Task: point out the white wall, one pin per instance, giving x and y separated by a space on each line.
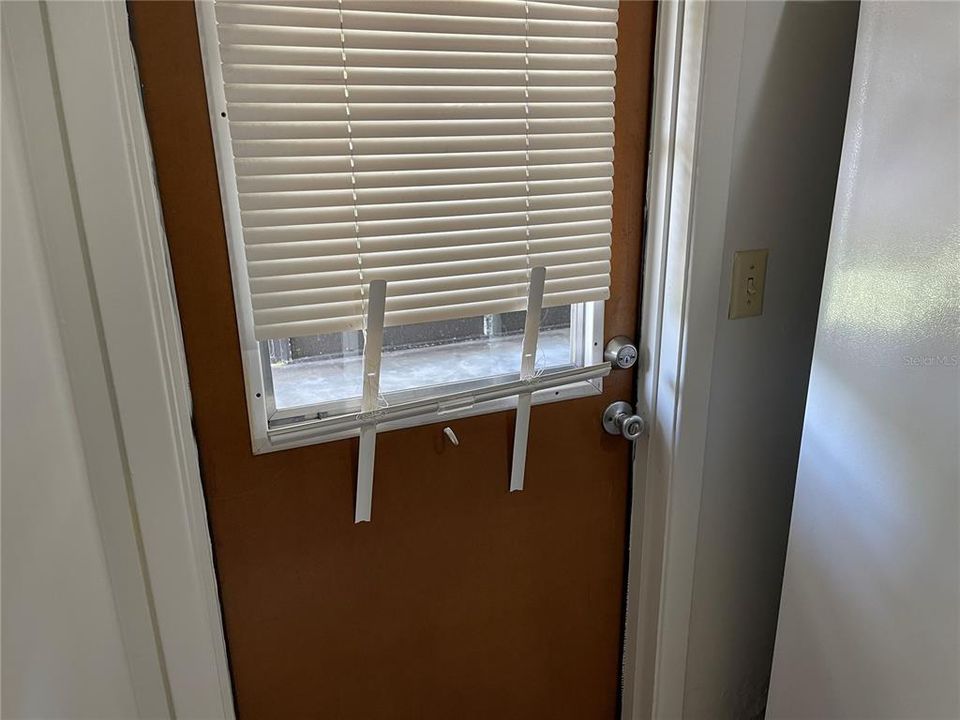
61 646
793 87
870 620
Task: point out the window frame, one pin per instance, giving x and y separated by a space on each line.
264 417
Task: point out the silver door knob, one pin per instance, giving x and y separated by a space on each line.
621 352
619 419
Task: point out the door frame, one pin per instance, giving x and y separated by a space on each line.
696 81
91 168
128 291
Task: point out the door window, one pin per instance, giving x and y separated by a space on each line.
445 148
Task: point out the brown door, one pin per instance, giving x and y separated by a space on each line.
460 599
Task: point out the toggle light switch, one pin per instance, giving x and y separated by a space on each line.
746 288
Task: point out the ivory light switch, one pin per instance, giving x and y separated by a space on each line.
746 288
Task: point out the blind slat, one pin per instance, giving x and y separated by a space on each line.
294 74
384 94
278 36
446 148
307 112
420 210
343 246
334 308
465 266
590 10
314 296
414 178
383 197
461 223
391 129
414 20
368 260
312 164
290 289
402 58
417 145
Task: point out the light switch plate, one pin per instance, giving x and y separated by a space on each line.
749 279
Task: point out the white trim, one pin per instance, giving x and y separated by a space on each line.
118 212
648 501
692 142
67 261
259 396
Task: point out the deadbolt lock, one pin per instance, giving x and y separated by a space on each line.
620 352
619 419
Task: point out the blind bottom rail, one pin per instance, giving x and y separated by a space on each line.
438 405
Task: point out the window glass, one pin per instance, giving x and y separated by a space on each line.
433 357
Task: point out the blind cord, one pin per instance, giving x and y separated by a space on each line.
353 168
526 135
540 360
381 400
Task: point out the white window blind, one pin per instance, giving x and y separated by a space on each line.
445 147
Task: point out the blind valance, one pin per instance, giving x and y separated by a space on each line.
446 147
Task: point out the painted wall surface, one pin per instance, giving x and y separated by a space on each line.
61 648
792 99
870 619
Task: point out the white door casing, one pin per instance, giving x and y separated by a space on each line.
90 159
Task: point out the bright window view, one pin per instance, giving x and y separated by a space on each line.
435 357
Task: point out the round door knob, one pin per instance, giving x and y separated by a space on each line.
619 419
